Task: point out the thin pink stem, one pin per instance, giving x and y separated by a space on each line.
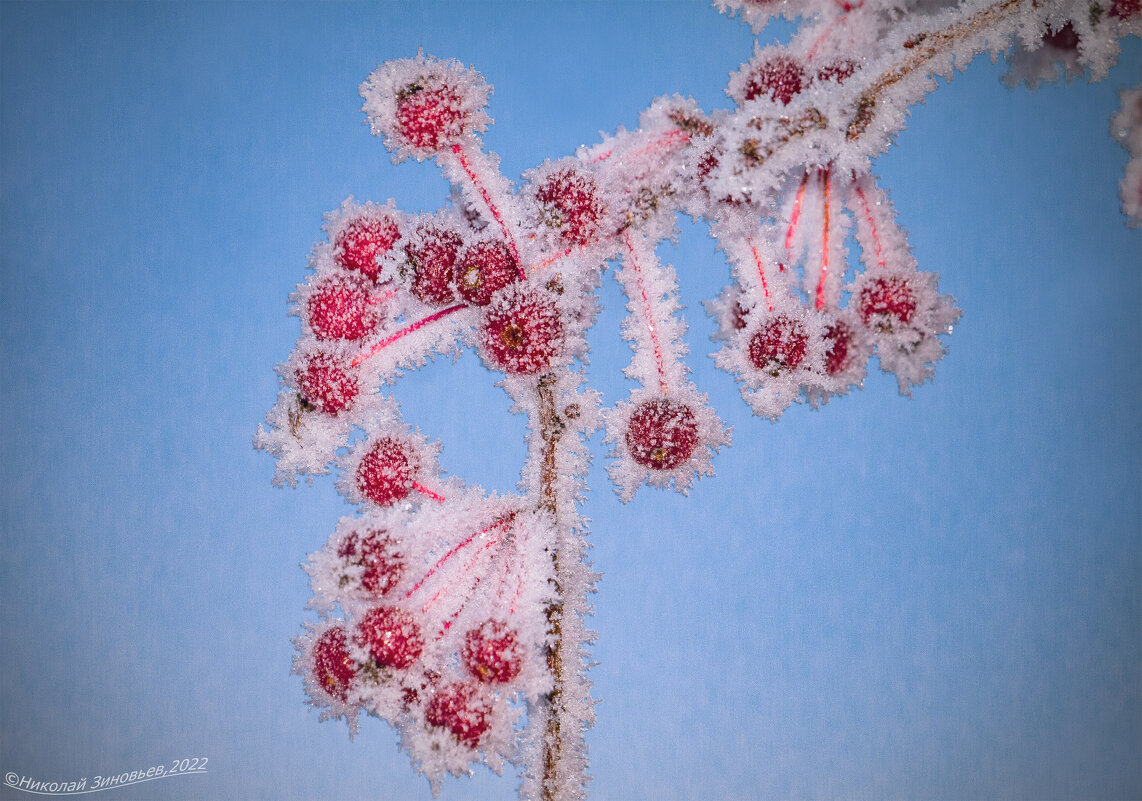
423 490
487 197
880 260
761 274
456 549
796 215
659 358
464 572
408 329
382 298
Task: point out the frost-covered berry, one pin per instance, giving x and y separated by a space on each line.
662 434
780 344
380 556
385 473
432 261
333 669
492 653
483 269
885 303
569 203
327 383
339 308
428 119
521 332
461 710
391 636
1124 9
781 77
1066 38
840 347
364 240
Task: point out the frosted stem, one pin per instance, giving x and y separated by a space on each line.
551 428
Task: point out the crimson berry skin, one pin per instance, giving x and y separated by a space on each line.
326 383
839 347
521 332
492 653
333 669
662 434
379 554
432 260
385 473
885 302
837 71
781 344
1124 9
339 308
429 119
781 78
360 243
391 636
483 269
460 710
568 203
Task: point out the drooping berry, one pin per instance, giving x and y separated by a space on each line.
380 555
432 261
429 119
780 344
360 243
385 474
332 667
462 711
781 77
327 384
339 308
839 347
521 332
662 434
391 636
884 303
492 653
483 269
568 203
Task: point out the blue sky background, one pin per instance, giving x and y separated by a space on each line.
888 598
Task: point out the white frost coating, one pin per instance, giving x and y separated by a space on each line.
1126 128
459 616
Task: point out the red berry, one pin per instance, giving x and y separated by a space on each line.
326 383
492 653
838 347
780 344
461 710
838 71
781 78
662 434
432 259
391 636
1124 9
1066 38
332 667
429 118
568 203
385 474
483 269
890 300
362 241
339 308
521 332
379 554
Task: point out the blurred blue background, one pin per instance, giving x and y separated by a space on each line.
886 598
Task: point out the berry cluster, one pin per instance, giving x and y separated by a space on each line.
456 614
